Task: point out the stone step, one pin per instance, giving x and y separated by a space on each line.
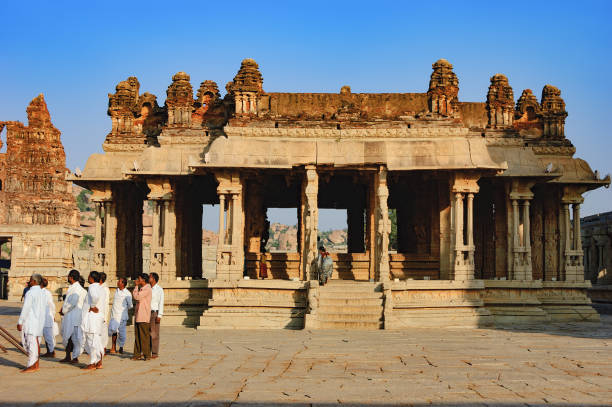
348 317
349 325
335 301
351 309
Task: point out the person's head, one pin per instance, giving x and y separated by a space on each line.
35 279
142 279
94 277
44 282
102 277
153 279
73 276
121 283
322 249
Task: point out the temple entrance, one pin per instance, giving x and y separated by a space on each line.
415 202
272 225
348 193
5 265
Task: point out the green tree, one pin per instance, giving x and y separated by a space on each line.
393 234
83 200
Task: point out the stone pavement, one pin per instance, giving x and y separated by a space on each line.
559 365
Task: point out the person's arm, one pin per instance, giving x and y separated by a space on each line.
25 310
70 302
161 304
137 293
128 299
96 296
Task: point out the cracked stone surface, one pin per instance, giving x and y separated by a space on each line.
558 365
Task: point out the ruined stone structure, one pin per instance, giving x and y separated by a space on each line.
38 213
597 247
487 197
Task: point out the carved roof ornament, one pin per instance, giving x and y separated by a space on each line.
208 90
553 112
38 113
180 92
500 102
125 98
443 88
248 78
179 100
528 100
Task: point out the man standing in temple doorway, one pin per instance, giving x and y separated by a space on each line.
122 302
142 318
325 265
157 311
32 321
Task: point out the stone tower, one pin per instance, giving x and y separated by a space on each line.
38 212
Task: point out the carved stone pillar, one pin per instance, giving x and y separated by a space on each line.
382 226
164 250
230 249
520 194
105 255
572 252
463 187
309 221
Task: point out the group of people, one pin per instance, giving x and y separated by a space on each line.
88 321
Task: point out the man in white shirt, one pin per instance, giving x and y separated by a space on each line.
72 311
93 321
48 331
122 303
32 321
106 311
157 311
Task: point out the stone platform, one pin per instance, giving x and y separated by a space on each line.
553 365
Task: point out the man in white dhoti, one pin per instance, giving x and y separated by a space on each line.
48 330
105 311
122 303
32 321
93 321
72 311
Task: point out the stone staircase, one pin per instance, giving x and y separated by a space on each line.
350 305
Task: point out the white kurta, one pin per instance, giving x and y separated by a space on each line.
32 321
73 312
105 314
122 302
49 321
93 321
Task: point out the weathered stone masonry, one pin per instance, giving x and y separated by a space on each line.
487 197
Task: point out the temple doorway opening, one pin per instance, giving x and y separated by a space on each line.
273 225
5 265
210 240
415 202
347 193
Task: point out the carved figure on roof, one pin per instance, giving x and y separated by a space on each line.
443 89
122 104
179 100
500 102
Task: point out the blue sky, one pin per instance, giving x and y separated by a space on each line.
76 52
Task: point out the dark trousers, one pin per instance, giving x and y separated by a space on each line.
154 333
142 342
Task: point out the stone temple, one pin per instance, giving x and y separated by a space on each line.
486 195
38 214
